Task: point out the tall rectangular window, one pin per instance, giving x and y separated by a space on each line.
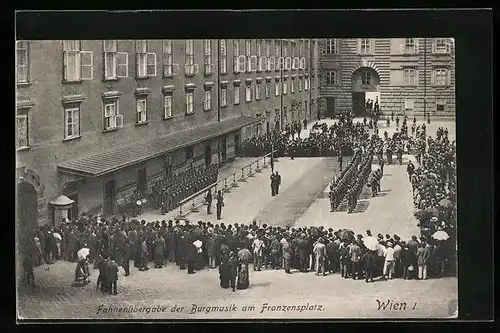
223 56
207 56
248 92
167 106
300 83
331 46
409 77
306 84
441 46
223 96
285 86
292 85
168 58
258 87
146 61
189 65
71 121
190 102
112 117
331 77
236 54
207 99
77 64
22 62
248 47
115 63
236 94
268 89
410 45
440 77
365 46
277 90
22 131
365 77
142 110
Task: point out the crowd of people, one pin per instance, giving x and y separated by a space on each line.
114 243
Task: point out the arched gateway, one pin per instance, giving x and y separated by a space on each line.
365 86
27 213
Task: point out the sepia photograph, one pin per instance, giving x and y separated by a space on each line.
272 178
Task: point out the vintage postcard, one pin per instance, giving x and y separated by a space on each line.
295 178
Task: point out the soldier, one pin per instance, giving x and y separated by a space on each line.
397 122
273 184
220 204
388 122
428 118
278 182
392 115
351 200
400 153
208 199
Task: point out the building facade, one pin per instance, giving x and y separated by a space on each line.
406 75
97 120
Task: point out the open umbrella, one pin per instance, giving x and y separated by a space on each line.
371 243
446 203
440 235
83 253
346 234
198 243
432 210
57 236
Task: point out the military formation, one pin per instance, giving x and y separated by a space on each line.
169 192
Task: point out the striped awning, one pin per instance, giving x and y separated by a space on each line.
112 160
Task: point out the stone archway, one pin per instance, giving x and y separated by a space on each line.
365 87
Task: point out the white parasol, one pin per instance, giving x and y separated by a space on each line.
198 243
440 235
83 253
371 243
57 236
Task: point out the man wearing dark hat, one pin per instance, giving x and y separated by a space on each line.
208 199
220 204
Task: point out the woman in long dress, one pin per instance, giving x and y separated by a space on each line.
244 256
81 273
224 271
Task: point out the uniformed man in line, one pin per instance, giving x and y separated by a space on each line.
208 199
278 182
397 122
220 204
351 200
273 184
399 153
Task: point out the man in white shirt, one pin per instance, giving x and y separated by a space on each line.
389 260
319 251
397 260
258 246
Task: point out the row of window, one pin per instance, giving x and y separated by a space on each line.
409 105
410 46
439 78
112 119
255 92
78 63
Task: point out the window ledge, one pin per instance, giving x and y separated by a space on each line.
168 118
223 73
142 123
165 76
189 114
72 138
189 75
208 74
23 84
223 106
23 148
114 79
207 110
236 103
72 82
110 130
142 77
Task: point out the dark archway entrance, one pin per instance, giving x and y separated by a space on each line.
208 155
365 88
27 213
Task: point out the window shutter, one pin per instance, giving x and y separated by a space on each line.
151 64
281 63
416 78
253 63
434 46
119 120
121 64
65 65
86 65
107 112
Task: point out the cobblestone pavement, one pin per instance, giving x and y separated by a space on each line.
172 293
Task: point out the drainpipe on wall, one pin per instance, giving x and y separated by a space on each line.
425 76
281 86
309 77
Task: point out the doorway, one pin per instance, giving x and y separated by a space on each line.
208 155
109 197
330 107
237 143
27 213
358 103
73 212
223 149
142 181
